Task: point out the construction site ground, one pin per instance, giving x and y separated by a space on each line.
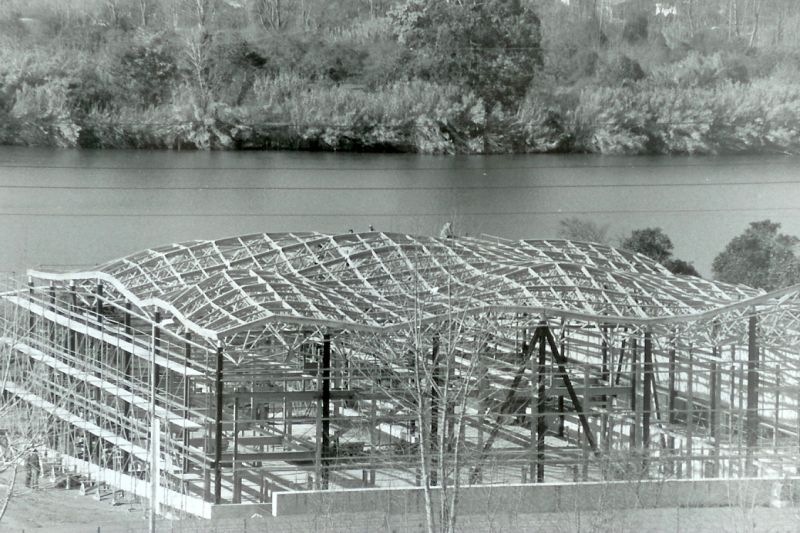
55 510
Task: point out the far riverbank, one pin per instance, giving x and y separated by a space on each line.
421 117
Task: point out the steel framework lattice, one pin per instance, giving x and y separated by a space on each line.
295 360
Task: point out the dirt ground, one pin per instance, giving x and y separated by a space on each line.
55 510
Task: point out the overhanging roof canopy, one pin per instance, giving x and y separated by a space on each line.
383 280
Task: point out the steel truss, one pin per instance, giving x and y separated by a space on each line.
294 361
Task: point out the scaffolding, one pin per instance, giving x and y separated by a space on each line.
281 362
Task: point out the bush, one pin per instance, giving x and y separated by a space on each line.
43 116
620 70
337 61
635 28
695 70
147 72
90 88
385 63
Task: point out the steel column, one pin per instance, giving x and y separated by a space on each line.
434 409
634 390
541 426
218 388
714 418
326 408
156 347
751 422
671 403
647 400
187 354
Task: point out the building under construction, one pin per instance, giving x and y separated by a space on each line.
295 361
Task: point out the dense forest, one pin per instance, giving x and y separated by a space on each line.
429 76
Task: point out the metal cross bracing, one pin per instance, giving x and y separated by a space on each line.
290 361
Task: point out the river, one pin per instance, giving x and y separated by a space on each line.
65 209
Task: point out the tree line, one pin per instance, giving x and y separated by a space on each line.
431 76
761 257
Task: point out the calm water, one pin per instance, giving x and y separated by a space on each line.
65 208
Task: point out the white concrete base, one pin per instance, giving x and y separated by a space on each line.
544 497
139 487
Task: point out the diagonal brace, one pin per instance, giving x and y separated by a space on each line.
537 336
561 362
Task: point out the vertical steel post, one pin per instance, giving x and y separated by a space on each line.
156 347
605 378
671 402
127 381
752 394
714 417
732 420
541 425
533 418
690 414
53 308
434 409
31 319
73 310
98 359
634 391
218 388
777 416
155 472
326 408
187 354
98 304
647 396
237 488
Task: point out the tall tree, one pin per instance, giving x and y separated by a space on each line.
657 245
760 257
652 242
493 46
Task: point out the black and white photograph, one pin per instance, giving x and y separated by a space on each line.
424 266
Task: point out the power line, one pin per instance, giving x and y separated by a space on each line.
727 164
349 188
397 214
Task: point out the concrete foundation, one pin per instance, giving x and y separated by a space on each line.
548 497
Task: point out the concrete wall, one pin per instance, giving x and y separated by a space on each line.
546 497
139 487
239 510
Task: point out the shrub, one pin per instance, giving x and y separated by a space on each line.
695 70
337 61
43 115
91 88
385 63
635 28
619 70
147 71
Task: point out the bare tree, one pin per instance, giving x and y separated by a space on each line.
437 372
271 14
756 10
578 229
